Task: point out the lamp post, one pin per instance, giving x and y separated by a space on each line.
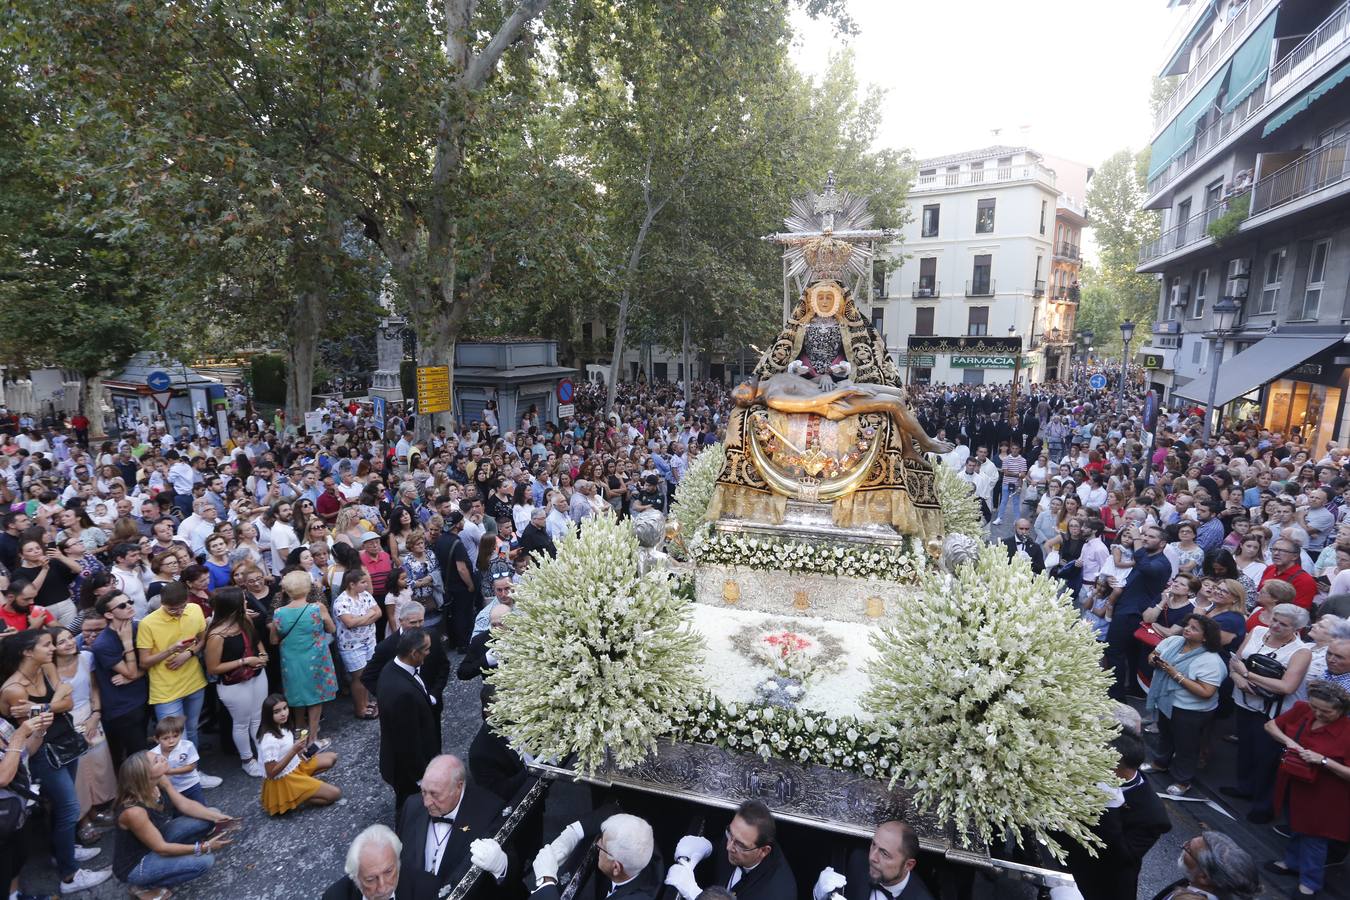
1085 336
1126 335
1225 316
1017 375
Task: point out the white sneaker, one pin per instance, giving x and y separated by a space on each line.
85 879
85 853
254 768
996 522
210 781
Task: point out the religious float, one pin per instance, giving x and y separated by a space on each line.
835 637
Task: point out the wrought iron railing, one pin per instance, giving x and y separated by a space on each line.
1216 53
980 288
1324 167
1192 230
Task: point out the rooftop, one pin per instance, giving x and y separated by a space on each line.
993 152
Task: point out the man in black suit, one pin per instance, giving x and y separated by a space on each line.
1022 542
410 718
1129 827
627 866
435 672
885 871
372 867
447 832
534 540
752 866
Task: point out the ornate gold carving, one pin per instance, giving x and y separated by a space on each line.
799 601
876 607
731 591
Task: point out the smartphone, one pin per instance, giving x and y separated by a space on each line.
38 709
310 751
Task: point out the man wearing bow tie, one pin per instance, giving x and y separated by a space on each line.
1023 543
885 871
449 831
752 867
410 733
627 866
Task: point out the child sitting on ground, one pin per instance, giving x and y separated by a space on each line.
291 763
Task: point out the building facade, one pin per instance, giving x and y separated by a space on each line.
1250 172
978 255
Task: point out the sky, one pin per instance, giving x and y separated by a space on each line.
1066 77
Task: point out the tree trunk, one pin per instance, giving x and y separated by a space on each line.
91 404
684 360
629 277
302 343
436 339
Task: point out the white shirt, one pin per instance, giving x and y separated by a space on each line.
283 539
888 892
181 477
194 531
558 524
417 678
738 873
129 582
438 838
272 748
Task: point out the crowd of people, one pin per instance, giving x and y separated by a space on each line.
161 583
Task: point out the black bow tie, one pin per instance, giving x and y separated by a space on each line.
443 820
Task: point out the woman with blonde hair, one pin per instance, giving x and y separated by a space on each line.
348 529
161 845
1228 601
300 630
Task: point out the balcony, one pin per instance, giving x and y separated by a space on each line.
1209 138
1320 169
1065 250
980 288
1191 231
1210 60
1325 40
941 181
1039 290
1065 294
925 290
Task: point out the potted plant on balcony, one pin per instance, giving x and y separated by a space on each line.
1226 225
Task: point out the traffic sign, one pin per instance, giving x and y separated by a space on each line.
566 391
1097 382
158 381
566 411
377 411
433 389
162 398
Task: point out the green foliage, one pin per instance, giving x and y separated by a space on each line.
598 660
1227 225
267 375
1112 290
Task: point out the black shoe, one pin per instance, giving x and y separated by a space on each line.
1235 793
1260 817
1278 868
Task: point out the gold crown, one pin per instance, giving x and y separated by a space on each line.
828 258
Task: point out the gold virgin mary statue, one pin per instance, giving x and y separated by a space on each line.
824 420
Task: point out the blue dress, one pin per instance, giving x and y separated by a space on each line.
307 675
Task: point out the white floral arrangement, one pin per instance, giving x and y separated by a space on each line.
957 501
994 691
695 493
598 660
729 548
802 736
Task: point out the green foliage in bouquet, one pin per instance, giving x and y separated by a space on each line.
597 659
994 691
694 495
956 499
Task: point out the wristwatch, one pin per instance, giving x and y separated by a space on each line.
1322 761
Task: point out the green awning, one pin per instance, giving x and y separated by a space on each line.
1250 64
1201 24
1180 134
1306 99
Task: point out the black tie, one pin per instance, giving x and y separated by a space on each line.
443 820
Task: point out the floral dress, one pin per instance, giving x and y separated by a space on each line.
307 674
418 569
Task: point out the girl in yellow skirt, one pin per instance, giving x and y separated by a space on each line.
291 764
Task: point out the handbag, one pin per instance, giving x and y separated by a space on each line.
1295 766
68 745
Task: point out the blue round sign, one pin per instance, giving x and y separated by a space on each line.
158 381
1097 382
566 391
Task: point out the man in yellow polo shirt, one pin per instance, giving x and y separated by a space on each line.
167 643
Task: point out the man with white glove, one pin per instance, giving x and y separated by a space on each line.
752 865
627 867
885 871
447 831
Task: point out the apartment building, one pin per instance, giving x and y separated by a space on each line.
1250 171
988 232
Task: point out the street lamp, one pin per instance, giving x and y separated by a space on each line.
1126 335
1225 316
1086 336
1017 375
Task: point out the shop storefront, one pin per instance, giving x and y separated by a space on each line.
1309 402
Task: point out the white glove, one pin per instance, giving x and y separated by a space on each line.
487 854
545 864
694 848
841 369
566 841
796 367
681 878
828 882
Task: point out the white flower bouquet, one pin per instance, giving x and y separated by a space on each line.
695 494
728 548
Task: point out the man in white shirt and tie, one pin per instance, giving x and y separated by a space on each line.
449 832
752 866
884 872
627 866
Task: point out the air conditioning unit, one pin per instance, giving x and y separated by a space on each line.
1181 294
1239 277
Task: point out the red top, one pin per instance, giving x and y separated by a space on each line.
1319 808
1305 588
327 506
19 621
